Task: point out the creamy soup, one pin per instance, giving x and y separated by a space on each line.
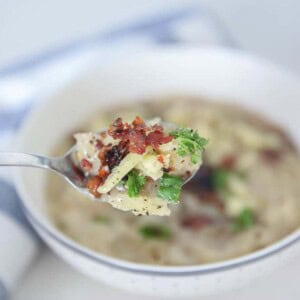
245 196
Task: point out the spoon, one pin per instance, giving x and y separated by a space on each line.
63 165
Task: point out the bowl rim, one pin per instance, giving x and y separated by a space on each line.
39 221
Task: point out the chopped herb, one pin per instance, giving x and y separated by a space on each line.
169 187
157 231
134 183
244 220
189 143
220 179
101 219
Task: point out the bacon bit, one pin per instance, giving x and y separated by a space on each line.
103 173
168 170
136 142
116 130
160 158
92 185
211 198
228 162
101 154
196 222
138 123
132 138
98 144
86 165
115 154
157 127
136 135
271 155
157 138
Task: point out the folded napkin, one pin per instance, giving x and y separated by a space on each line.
20 85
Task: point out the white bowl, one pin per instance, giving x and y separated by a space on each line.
217 73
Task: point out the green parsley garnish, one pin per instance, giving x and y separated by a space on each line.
244 220
189 143
220 179
169 187
134 183
157 231
101 219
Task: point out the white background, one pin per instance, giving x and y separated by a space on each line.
268 28
51 279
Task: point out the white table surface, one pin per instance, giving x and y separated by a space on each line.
51 279
267 27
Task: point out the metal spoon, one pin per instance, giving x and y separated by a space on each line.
64 166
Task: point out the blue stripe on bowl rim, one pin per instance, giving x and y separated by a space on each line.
89 254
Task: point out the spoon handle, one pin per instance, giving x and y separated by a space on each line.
23 160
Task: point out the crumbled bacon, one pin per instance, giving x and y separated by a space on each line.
271 155
102 152
136 135
211 198
86 165
92 185
134 138
196 222
228 162
139 124
116 129
160 158
136 142
157 138
103 172
168 170
115 154
157 127
98 144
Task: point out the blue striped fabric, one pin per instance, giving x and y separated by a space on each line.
10 204
158 27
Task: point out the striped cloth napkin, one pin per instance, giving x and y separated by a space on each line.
21 84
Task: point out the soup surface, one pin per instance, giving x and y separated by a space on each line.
245 196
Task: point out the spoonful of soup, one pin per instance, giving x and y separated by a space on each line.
139 166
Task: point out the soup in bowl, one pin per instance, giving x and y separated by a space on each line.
237 218
244 197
